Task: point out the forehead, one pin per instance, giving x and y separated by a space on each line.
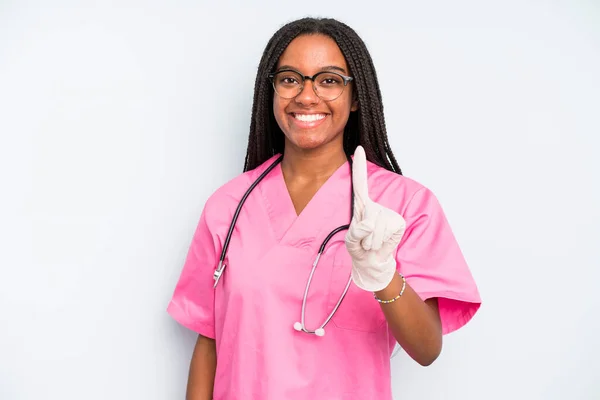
311 53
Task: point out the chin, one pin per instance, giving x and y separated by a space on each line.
308 142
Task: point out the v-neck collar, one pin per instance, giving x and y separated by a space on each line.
326 210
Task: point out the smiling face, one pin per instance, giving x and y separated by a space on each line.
307 121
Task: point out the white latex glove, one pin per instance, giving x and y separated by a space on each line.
374 233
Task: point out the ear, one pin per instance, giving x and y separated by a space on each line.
355 105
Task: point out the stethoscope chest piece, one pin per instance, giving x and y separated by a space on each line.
218 273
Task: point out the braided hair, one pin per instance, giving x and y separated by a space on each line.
366 127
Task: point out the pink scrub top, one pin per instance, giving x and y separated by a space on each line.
251 313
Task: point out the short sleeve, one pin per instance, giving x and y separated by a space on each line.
192 304
430 259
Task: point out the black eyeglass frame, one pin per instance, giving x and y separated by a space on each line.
345 79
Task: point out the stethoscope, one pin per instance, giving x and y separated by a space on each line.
299 326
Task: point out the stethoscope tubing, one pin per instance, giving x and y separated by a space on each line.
299 326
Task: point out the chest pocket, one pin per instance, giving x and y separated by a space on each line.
358 311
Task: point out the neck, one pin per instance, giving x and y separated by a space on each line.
316 164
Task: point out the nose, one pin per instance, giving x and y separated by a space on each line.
307 96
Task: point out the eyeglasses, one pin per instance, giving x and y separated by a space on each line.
328 85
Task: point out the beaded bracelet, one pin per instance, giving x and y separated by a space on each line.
395 298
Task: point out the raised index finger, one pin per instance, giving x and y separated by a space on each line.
359 176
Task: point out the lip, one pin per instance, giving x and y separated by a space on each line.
307 124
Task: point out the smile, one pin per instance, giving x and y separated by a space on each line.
309 117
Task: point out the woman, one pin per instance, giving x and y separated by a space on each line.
393 263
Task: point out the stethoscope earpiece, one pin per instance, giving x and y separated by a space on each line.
319 331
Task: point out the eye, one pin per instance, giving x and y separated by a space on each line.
288 80
330 80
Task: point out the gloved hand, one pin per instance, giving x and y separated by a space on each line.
374 233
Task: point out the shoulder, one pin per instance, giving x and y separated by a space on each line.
223 202
396 191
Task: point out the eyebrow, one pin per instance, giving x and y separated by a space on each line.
327 68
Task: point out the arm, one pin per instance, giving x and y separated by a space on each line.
415 323
429 255
202 370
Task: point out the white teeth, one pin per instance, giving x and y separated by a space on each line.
309 117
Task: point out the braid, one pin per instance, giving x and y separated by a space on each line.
365 127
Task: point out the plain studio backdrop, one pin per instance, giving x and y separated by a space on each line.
119 119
